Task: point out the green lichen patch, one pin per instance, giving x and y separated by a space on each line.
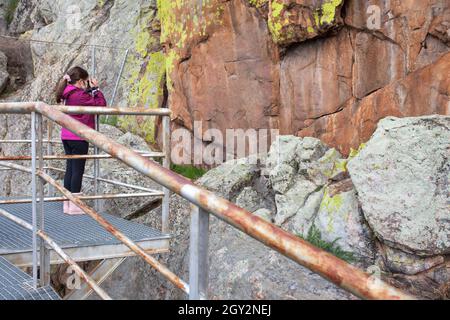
258 3
327 12
354 153
286 28
144 79
331 204
182 22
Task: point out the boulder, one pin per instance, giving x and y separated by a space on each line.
264 214
290 203
230 178
243 268
402 179
249 199
340 220
304 218
398 261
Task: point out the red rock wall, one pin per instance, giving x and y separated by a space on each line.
296 66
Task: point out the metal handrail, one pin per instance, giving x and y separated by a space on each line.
325 264
83 157
108 226
29 107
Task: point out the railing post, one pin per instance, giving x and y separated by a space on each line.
198 254
97 127
166 164
34 200
44 253
51 189
96 165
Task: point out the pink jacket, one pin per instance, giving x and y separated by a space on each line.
74 96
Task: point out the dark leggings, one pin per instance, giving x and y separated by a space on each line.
75 167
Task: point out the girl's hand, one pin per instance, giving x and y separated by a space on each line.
93 82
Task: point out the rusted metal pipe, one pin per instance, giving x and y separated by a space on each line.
80 272
70 157
28 141
113 182
327 265
28 107
95 197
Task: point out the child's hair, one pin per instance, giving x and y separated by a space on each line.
74 74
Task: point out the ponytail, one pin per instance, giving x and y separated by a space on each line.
60 87
73 76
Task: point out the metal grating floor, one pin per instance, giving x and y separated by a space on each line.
67 231
17 285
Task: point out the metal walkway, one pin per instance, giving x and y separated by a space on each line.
82 239
80 236
17 285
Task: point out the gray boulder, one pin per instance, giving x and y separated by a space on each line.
398 261
230 178
340 220
249 199
290 203
402 177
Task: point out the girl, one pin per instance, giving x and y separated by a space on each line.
77 89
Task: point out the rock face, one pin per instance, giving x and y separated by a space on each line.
3 13
4 75
407 160
328 69
68 31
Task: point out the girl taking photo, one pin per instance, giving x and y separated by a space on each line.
77 89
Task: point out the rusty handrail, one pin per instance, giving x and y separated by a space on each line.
28 107
71 157
325 264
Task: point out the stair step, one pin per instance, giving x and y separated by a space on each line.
17 285
80 236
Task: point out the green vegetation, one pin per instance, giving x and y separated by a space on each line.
10 9
315 238
190 172
111 120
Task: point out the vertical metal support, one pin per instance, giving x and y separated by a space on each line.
51 189
96 166
166 164
34 199
97 127
44 253
198 254
93 66
116 87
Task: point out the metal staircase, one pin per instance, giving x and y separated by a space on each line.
82 238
